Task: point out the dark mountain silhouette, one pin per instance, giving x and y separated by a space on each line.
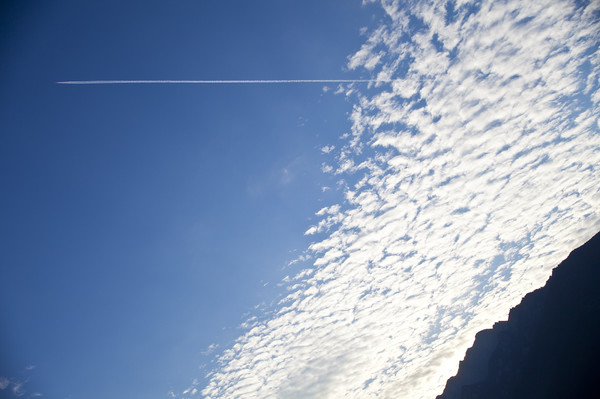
549 347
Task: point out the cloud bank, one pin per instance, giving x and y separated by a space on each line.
467 180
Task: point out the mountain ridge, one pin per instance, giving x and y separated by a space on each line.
550 345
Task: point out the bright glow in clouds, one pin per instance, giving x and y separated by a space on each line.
467 181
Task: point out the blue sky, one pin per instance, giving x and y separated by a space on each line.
294 240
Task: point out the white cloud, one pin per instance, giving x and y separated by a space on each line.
327 149
17 388
210 349
467 182
326 168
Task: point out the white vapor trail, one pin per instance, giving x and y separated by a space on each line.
117 82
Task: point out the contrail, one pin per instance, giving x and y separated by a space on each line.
121 82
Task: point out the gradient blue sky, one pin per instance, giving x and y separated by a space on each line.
293 241
140 223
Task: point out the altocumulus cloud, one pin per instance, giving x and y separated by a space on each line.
467 180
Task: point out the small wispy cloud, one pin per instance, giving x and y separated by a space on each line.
327 149
210 349
17 386
14 385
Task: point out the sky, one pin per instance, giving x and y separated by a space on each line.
283 240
